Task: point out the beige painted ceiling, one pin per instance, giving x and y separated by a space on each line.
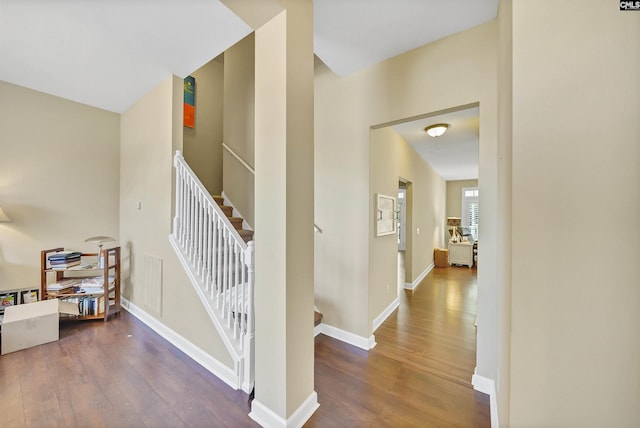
108 53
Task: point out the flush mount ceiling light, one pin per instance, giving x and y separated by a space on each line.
436 130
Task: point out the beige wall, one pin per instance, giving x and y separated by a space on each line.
454 195
59 179
503 260
239 97
416 83
203 144
392 158
151 130
575 292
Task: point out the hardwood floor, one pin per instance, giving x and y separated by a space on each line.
122 374
419 374
115 374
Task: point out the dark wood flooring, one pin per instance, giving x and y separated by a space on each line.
122 374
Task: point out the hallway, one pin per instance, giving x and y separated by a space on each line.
419 374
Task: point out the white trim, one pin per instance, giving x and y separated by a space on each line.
214 366
377 322
487 386
419 279
268 418
347 337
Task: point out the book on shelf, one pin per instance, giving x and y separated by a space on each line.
97 281
64 287
71 282
85 266
87 305
65 265
64 255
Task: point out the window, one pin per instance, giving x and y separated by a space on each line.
470 211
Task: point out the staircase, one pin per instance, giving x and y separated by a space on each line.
236 222
218 256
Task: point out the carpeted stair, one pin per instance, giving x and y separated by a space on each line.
246 234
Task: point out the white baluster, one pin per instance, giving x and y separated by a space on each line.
250 282
238 307
219 265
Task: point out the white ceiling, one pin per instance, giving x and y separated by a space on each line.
352 34
453 155
109 53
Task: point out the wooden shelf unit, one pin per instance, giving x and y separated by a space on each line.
110 291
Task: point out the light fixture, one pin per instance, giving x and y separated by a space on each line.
436 130
3 216
99 240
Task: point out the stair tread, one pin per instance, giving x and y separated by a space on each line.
317 318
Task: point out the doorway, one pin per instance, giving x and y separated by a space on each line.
402 215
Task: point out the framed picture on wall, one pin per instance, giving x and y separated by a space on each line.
29 295
386 221
8 298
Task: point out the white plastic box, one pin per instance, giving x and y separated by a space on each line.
30 324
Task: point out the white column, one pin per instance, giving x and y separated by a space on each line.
284 218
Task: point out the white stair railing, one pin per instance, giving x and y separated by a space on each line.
220 265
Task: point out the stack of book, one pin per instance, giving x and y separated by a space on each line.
88 305
96 284
64 259
64 287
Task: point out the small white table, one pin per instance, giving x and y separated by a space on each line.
461 253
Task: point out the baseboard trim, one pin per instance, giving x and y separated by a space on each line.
418 280
487 386
212 365
377 322
347 337
267 418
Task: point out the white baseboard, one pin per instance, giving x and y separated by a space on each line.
218 369
418 280
267 418
347 337
487 386
377 322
